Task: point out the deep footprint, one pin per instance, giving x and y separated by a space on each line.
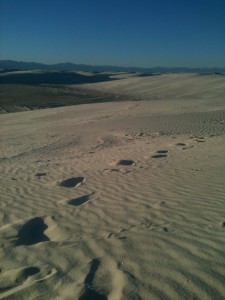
125 162
27 272
79 201
90 292
159 155
183 146
20 276
32 232
72 182
162 151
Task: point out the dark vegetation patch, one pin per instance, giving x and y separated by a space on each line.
18 97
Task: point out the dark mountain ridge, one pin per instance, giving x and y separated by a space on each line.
20 65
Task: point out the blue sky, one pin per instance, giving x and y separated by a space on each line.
144 33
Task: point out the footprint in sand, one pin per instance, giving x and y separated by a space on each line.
80 200
14 280
162 151
32 232
90 291
132 279
39 174
165 229
183 146
72 182
104 280
15 277
125 162
160 154
200 139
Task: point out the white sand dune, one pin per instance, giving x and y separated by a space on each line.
167 86
115 200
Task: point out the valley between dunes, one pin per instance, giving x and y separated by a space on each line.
121 200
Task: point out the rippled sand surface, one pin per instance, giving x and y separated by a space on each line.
114 201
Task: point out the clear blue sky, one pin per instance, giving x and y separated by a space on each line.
144 33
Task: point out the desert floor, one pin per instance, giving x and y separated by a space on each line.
120 200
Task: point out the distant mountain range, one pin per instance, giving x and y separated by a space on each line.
20 65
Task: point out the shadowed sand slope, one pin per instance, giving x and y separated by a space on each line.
44 77
113 201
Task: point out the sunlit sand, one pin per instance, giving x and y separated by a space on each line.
119 200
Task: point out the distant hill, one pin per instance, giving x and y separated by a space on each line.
20 65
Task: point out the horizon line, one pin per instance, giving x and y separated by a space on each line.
113 66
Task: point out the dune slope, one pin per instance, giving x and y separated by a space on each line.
113 201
